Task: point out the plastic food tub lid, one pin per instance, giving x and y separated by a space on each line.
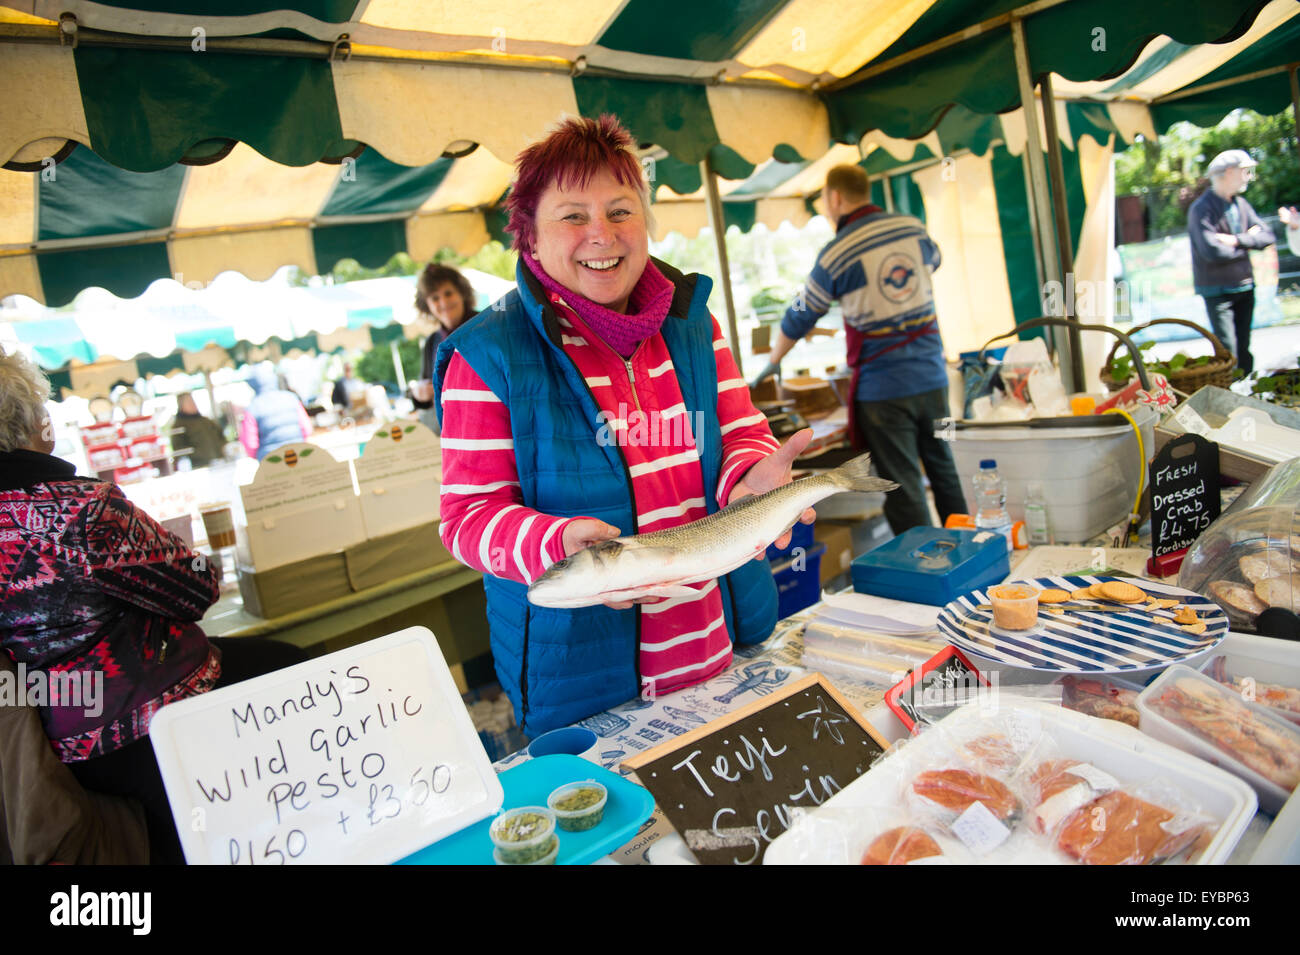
543 832
561 791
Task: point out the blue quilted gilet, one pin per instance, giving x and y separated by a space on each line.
560 666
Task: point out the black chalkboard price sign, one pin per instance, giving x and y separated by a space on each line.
732 786
1184 492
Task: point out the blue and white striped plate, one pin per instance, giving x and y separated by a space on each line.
1074 642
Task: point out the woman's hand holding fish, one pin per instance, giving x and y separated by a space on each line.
584 532
773 472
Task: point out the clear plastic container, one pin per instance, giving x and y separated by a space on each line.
578 806
548 859
1036 515
1248 561
1258 747
1015 606
1265 671
991 499
523 836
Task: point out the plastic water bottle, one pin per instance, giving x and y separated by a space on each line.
1036 515
991 500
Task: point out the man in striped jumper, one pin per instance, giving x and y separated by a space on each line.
878 266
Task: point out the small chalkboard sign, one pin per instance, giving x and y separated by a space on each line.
732 786
1184 492
935 688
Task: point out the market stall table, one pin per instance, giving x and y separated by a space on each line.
640 725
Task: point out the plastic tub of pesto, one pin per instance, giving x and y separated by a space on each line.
525 836
578 806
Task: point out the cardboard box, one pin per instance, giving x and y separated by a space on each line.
838 538
305 583
292 587
380 559
301 503
1213 405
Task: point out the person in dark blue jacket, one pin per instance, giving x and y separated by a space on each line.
1223 228
274 416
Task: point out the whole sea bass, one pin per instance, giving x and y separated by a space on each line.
663 563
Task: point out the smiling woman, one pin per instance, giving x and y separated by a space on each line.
537 396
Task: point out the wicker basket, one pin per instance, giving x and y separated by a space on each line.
1217 371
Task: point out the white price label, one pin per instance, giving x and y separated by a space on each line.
979 829
1098 779
1192 422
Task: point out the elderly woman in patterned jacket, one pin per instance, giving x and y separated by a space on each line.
99 606
597 399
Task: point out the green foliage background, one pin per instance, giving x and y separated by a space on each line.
376 365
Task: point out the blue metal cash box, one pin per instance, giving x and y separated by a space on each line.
932 565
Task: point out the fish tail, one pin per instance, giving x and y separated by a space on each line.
856 475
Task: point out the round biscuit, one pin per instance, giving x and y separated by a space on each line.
1053 595
1122 592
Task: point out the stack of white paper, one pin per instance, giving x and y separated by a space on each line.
880 614
870 639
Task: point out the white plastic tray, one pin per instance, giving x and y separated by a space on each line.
1271 796
819 838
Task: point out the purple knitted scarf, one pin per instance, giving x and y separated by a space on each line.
647 308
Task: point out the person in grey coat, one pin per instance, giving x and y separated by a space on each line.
1223 228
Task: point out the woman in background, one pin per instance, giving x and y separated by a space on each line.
201 435
446 296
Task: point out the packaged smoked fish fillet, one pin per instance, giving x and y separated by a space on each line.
1193 712
1143 825
970 785
870 835
1265 672
1102 697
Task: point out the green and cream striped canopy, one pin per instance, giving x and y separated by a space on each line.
190 137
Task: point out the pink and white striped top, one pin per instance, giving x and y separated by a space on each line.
485 524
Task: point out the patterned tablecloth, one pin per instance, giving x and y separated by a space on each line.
639 725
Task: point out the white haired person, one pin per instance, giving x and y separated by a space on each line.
95 590
1223 228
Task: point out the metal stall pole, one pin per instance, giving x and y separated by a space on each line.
889 193
397 367
1064 244
1295 99
719 227
1038 193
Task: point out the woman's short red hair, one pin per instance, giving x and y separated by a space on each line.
576 150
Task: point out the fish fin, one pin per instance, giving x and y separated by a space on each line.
856 475
665 590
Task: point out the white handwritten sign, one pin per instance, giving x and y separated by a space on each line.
359 756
